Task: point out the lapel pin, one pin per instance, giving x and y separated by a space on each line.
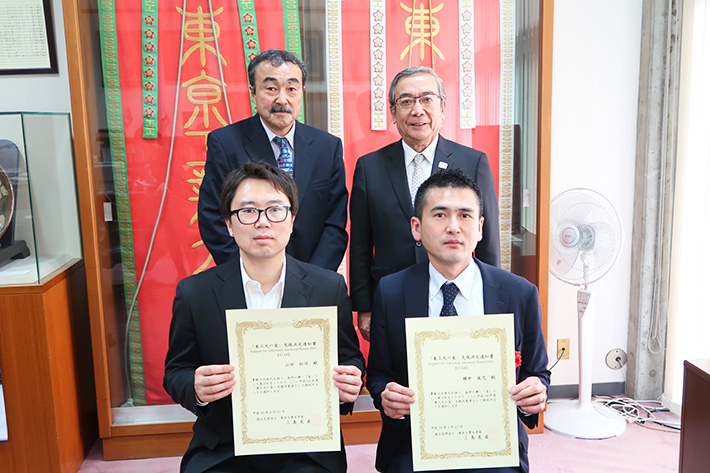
443 165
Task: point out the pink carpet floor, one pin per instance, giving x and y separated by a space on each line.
639 449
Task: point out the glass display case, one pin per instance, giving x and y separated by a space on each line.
39 219
142 113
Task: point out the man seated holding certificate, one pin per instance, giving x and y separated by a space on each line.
449 224
258 205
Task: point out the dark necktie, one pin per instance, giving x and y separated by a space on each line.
449 290
285 159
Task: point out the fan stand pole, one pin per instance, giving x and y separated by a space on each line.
580 418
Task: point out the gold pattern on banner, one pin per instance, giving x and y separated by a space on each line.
199 30
335 67
334 86
506 136
378 66
421 27
467 68
196 182
205 93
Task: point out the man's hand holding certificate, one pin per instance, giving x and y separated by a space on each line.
460 370
268 379
284 399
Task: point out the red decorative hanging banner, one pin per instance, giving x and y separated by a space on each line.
202 83
422 33
428 33
202 86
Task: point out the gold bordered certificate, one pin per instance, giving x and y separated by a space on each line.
460 369
285 399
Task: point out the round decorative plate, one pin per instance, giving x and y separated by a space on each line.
7 201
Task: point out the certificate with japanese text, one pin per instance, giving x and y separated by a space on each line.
461 369
285 399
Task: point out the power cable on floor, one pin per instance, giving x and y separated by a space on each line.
638 413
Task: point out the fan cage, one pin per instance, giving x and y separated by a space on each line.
600 236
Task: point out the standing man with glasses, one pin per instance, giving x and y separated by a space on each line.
386 181
258 206
277 80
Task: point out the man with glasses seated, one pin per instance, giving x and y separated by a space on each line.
386 181
258 205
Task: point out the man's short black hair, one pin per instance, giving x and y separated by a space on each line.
452 178
259 170
276 57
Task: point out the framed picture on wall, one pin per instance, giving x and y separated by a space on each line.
27 43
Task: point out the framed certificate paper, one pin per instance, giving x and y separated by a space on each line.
460 369
27 42
285 399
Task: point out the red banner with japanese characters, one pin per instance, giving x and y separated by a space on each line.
382 38
183 74
193 82
421 33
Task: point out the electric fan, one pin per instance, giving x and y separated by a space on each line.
586 240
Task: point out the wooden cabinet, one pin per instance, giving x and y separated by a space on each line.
45 358
695 417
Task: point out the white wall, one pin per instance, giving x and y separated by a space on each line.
40 92
688 321
596 53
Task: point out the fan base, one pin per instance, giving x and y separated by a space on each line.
584 421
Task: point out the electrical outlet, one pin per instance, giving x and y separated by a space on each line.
616 359
563 343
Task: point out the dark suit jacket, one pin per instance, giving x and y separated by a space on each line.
319 235
381 208
198 336
407 292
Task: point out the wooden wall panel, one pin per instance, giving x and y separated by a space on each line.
543 172
83 58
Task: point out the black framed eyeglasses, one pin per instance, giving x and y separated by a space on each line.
427 100
251 215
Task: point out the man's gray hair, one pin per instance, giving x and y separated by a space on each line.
410 72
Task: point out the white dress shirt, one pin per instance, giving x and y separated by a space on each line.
255 297
428 161
275 147
469 300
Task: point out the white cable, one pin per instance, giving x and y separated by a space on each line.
129 402
632 411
